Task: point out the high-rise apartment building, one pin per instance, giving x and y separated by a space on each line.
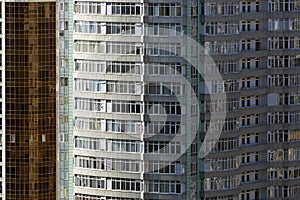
130 101
127 116
28 100
130 118
255 45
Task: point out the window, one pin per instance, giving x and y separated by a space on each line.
223 66
90 181
79 196
223 144
123 28
283 173
163 167
164 29
163 49
284 24
162 147
230 124
283 43
246 82
84 85
164 88
231 85
89 66
215 87
283 154
278 136
164 69
61 6
215 28
123 68
133 107
81 7
246 26
122 165
89 143
283 117
245 102
165 108
164 9
249 82
257 6
246 6
248 158
283 5
245 195
159 127
90 104
246 139
220 183
245 177
87 27
12 138
89 46
226 8
126 184
124 8
278 155
123 87
246 120
257 44
257 119
246 45
222 47
246 63
220 164
289 98
163 187
283 61
249 101
222 105
90 162
257 25
123 126
126 48
130 146
89 124
278 80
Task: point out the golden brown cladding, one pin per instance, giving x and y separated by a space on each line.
30 71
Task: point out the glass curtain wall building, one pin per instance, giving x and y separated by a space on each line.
28 102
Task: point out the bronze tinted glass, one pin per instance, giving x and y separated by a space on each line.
30 100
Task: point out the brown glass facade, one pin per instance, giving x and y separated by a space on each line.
30 70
